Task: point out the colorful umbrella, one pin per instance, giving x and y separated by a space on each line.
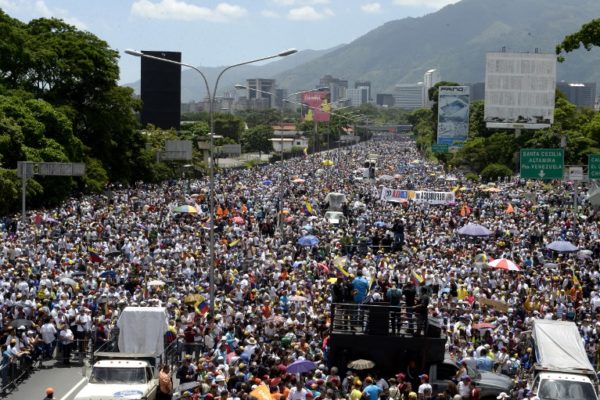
308 241
474 230
562 246
483 325
300 367
504 264
361 364
185 209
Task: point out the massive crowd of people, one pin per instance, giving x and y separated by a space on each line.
67 273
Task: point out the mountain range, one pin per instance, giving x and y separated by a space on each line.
454 40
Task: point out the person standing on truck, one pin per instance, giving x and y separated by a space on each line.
165 384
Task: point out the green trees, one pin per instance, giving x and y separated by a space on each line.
588 36
579 128
258 139
59 101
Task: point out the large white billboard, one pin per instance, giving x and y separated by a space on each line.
453 114
519 90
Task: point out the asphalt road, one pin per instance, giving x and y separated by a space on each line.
62 378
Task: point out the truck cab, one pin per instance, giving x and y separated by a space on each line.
558 385
120 379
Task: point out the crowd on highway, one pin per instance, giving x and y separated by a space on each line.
65 276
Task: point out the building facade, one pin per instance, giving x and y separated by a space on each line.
580 94
260 93
409 96
337 87
430 78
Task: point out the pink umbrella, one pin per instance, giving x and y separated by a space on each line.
238 220
483 325
504 264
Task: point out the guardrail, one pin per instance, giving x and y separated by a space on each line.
381 319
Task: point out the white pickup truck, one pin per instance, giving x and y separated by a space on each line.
120 379
129 370
562 370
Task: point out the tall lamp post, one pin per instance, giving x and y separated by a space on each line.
211 100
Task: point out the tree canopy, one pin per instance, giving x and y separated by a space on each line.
588 36
60 101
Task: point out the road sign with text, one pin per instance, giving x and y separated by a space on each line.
50 168
594 166
542 163
439 148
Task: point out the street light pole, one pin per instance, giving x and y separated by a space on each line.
211 100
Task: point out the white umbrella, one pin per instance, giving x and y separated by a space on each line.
156 282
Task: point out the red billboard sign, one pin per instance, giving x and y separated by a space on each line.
318 103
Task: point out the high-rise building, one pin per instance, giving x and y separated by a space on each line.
161 90
359 84
358 96
409 95
280 97
477 91
385 100
430 78
337 87
258 93
580 94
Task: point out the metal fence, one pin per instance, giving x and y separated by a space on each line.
380 319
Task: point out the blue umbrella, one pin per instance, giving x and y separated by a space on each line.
111 274
380 224
300 367
562 246
308 241
267 182
474 230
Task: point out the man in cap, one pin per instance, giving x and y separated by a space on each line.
371 391
425 390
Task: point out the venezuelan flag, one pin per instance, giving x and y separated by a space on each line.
417 278
203 307
94 257
308 208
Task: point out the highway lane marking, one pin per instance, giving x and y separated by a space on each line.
73 389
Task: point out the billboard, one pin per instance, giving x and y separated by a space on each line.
318 103
519 90
161 90
453 114
177 150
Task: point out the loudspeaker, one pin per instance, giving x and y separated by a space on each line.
161 90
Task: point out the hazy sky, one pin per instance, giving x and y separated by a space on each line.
213 32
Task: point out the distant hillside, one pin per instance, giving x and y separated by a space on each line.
192 86
455 40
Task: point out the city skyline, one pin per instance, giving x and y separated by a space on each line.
215 33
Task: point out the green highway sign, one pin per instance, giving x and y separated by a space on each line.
594 166
542 163
439 148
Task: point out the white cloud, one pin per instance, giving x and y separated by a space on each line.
182 11
308 13
371 8
435 4
269 14
39 10
299 3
